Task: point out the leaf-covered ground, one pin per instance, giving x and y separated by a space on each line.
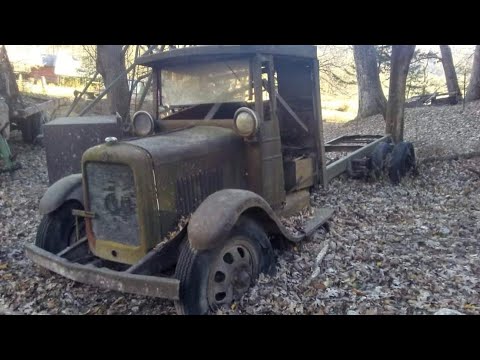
409 249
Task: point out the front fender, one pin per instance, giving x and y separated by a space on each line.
213 220
67 188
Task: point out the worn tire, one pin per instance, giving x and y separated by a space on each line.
54 233
378 158
402 161
194 268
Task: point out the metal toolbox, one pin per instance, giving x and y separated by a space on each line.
66 139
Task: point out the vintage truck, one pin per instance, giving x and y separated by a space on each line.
190 208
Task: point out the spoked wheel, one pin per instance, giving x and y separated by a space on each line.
402 161
57 230
218 277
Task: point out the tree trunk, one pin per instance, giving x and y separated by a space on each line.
111 64
8 84
401 57
371 100
449 69
473 90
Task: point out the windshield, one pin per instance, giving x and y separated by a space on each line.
206 83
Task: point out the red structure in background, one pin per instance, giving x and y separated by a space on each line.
48 72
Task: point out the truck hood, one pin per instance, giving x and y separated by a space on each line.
196 141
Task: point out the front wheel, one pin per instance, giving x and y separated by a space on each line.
57 230
218 277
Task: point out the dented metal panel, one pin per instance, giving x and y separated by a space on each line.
191 164
161 287
206 229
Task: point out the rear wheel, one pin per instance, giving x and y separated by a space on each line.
57 230
402 161
218 277
379 158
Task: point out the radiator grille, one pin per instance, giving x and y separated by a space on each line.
112 197
193 189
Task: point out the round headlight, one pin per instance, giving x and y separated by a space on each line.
246 122
143 124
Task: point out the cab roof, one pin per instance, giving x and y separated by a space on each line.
213 51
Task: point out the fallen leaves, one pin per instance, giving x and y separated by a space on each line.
411 249
417 253
358 292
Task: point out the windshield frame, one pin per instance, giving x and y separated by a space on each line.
158 101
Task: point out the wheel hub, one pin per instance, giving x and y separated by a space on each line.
241 279
231 275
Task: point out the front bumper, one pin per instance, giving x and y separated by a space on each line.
123 281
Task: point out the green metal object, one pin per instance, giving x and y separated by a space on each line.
6 155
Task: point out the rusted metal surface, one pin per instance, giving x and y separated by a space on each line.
319 218
182 124
67 188
76 251
294 203
317 123
359 168
217 51
34 109
342 165
207 230
161 287
162 258
271 156
66 139
192 142
173 173
193 189
191 164
83 214
139 161
236 266
342 148
354 139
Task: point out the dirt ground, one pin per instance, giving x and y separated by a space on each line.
409 249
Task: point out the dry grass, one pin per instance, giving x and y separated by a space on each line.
338 109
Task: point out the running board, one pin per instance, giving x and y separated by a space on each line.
320 217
